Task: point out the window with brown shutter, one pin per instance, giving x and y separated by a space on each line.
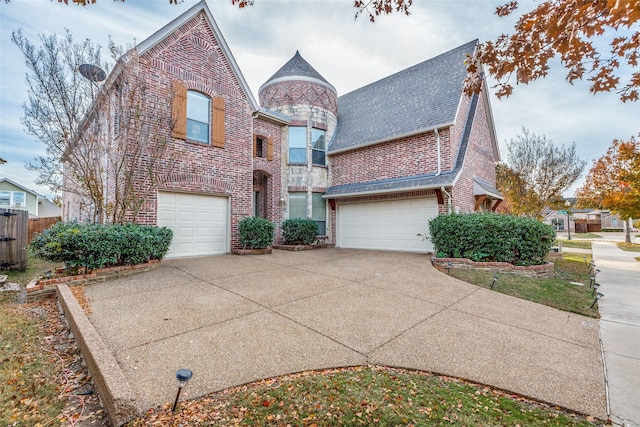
179 110
217 131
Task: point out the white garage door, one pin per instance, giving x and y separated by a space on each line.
199 223
389 225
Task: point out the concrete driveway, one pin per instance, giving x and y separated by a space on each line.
235 319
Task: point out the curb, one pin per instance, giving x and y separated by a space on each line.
112 386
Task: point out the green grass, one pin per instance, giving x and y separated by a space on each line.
35 268
586 236
555 292
361 396
631 247
582 244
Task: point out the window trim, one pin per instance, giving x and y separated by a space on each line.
209 124
318 150
12 202
304 147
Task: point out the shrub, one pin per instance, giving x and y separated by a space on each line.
492 237
97 245
299 231
607 230
255 232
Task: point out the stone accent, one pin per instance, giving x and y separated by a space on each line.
40 287
544 270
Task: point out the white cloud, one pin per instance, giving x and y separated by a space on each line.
349 53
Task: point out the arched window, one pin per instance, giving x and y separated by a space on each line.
198 117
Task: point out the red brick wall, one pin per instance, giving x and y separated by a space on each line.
295 92
479 160
272 185
403 157
192 55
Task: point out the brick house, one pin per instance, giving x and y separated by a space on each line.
370 167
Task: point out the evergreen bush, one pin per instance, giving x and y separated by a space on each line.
299 231
492 237
97 245
255 232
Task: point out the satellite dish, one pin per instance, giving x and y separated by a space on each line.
92 72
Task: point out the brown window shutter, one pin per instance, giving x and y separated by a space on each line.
179 110
255 145
217 131
270 149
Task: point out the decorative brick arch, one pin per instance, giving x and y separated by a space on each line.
194 183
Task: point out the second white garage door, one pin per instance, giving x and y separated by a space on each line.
388 225
200 223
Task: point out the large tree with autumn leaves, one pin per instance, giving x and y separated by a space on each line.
613 182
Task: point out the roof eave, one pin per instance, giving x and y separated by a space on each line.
263 113
387 191
298 78
390 138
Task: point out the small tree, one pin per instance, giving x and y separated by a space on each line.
613 182
96 134
537 173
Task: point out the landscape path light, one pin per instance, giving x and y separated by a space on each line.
183 376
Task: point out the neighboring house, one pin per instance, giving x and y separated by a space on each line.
17 196
370 167
583 220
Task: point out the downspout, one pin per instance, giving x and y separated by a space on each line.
448 197
438 151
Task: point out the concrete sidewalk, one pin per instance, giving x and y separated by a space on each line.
236 319
619 278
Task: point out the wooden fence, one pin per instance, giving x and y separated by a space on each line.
38 225
13 239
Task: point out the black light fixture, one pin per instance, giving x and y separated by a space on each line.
495 279
598 296
183 376
449 265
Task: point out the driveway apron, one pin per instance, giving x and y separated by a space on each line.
236 319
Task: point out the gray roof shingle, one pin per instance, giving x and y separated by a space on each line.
415 182
297 67
413 100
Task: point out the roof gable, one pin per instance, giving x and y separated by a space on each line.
19 186
417 99
171 27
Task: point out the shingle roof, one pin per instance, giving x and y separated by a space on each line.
409 183
297 67
415 182
414 100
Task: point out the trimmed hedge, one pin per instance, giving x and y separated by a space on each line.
299 231
492 238
97 245
255 232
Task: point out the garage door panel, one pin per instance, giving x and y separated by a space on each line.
390 225
199 223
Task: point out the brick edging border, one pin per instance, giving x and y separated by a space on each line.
41 287
295 248
542 270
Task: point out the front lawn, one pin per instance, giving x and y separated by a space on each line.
555 292
631 247
581 244
362 396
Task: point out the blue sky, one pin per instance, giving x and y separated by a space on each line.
348 53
